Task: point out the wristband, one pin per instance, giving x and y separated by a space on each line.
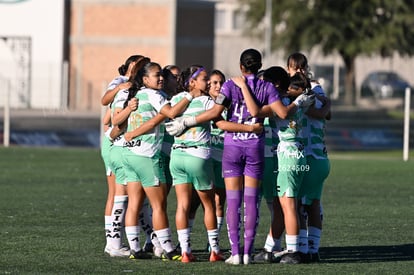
189 97
189 121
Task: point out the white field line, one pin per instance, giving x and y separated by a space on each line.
362 157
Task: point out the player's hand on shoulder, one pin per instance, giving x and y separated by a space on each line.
239 81
304 100
125 85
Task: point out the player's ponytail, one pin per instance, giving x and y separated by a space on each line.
136 78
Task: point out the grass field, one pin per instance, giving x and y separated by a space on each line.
52 201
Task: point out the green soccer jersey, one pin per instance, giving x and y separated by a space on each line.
119 100
197 136
315 138
118 103
150 103
291 158
290 129
314 131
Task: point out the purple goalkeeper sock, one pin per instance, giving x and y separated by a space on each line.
251 217
234 199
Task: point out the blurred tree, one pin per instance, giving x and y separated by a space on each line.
350 28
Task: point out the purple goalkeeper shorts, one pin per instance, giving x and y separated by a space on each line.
243 160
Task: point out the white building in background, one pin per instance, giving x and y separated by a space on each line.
230 40
31 52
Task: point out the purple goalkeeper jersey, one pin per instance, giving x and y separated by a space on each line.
263 92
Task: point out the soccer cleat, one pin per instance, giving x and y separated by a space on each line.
135 255
247 259
158 251
291 258
264 257
277 255
187 258
115 252
107 249
305 257
234 260
216 257
148 247
314 257
171 256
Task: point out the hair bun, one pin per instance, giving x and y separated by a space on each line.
251 57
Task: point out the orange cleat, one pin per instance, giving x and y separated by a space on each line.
216 257
187 258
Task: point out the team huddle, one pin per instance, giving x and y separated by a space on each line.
223 144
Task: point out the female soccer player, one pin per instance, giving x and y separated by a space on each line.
216 81
316 158
191 166
281 80
114 239
143 168
170 74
